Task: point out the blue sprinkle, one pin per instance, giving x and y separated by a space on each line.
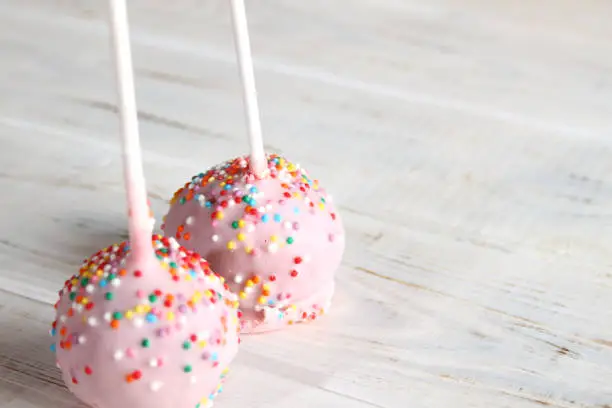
151 318
253 190
265 218
52 347
227 187
214 356
208 204
277 217
53 331
296 210
103 283
193 274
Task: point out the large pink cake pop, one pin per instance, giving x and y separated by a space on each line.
149 325
277 240
157 332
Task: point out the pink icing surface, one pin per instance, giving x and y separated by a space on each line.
277 240
154 333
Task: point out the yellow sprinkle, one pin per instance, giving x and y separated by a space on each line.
241 236
261 300
265 286
140 309
231 245
208 293
241 223
291 167
321 206
248 249
222 184
170 316
129 314
273 238
243 295
84 301
202 343
220 215
249 283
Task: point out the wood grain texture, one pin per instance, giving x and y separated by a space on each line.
468 142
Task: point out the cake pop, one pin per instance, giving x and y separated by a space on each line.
145 323
262 222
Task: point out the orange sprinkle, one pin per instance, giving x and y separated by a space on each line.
115 324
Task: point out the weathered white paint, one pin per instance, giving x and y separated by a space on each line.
469 144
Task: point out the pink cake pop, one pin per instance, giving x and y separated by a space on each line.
264 225
144 324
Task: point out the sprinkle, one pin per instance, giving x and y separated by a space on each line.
146 343
155 386
118 355
187 368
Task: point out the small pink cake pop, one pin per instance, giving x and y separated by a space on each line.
262 222
145 324
277 240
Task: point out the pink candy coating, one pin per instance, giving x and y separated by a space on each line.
276 239
155 333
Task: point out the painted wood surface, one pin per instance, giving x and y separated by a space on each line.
468 142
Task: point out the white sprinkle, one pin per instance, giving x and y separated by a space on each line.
115 282
273 247
288 225
82 339
205 335
251 228
138 321
174 245
189 220
112 257
156 385
182 319
118 355
269 207
238 278
89 288
215 238
107 316
153 362
63 318
193 379
92 321
262 209
79 308
107 267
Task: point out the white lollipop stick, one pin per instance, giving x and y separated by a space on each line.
249 93
140 225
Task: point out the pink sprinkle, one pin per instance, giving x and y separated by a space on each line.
281 202
255 252
140 293
331 237
130 353
215 223
160 362
296 226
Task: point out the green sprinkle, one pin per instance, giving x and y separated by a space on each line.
235 225
186 345
152 298
183 200
73 295
173 265
187 368
290 240
146 343
108 296
117 315
84 282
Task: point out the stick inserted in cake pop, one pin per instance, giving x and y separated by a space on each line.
245 63
140 226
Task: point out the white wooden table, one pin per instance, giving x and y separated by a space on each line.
468 142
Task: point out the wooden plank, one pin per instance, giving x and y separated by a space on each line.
468 144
